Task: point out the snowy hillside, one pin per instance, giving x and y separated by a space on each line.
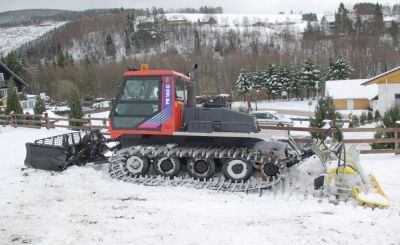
273 21
13 37
83 205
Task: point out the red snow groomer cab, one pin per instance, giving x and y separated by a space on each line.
150 102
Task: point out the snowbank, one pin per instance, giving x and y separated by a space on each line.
83 205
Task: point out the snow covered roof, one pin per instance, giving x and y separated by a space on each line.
376 79
350 89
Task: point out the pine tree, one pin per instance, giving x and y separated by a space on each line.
378 26
309 74
294 82
197 44
338 69
61 59
40 107
129 32
75 108
257 81
394 32
325 110
343 23
110 48
13 104
268 73
243 83
14 63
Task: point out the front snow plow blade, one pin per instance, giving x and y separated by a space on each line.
45 157
59 152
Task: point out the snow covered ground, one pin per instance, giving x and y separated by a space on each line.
83 205
13 37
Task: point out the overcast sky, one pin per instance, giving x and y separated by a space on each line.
229 6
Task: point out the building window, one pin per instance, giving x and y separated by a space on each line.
397 99
2 83
3 92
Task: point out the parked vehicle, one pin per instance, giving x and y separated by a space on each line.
272 118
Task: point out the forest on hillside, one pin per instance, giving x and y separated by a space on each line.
91 52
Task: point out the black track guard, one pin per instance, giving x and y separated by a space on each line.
46 157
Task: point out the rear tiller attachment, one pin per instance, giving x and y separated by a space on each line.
344 176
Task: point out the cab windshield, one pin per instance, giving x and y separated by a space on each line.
138 99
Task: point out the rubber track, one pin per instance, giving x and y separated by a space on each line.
117 170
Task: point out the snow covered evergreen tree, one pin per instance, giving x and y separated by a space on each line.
40 107
268 74
244 83
338 69
75 108
324 110
309 74
294 83
13 104
257 80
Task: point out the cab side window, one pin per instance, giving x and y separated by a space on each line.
180 92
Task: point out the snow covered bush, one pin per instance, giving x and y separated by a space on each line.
324 110
40 107
75 108
370 117
388 121
363 118
354 121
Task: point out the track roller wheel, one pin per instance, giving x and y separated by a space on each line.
201 168
136 165
237 169
270 169
167 166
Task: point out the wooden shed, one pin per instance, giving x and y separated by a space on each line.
350 94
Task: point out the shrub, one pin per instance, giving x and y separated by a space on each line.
40 107
324 110
354 121
75 108
370 117
377 116
363 118
388 121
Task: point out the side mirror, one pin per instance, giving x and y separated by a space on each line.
113 102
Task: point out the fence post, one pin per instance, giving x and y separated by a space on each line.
13 119
396 135
46 120
90 121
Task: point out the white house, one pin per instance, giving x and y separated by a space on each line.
388 89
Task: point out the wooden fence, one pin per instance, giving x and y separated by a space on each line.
395 140
37 121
